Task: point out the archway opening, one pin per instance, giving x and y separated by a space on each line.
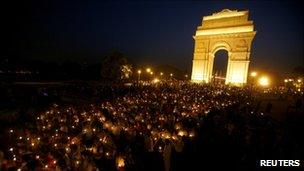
220 64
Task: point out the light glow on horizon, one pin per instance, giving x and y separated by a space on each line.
264 81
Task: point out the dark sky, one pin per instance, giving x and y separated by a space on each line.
147 32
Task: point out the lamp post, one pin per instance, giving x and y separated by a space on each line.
171 75
139 72
285 82
299 84
151 73
253 75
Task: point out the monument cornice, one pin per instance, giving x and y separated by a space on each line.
229 35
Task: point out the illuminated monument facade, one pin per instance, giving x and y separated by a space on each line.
230 30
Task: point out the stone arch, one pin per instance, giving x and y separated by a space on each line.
219 46
230 30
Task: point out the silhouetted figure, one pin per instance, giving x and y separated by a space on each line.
268 107
167 155
298 104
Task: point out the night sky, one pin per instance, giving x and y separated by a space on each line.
146 32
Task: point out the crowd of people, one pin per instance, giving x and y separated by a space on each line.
163 126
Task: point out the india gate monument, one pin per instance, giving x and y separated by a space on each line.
229 30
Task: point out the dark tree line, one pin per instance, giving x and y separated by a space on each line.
110 68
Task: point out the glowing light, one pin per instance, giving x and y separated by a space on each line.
161 74
177 126
299 80
253 74
285 80
166 135
182 133
151 73
120 162
171 75
156 80
148 70
139 71
192 134
264 81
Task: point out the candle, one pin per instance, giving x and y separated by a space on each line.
120 162
182 133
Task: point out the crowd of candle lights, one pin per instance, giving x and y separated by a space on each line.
75 137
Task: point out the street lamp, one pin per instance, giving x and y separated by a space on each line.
139 72
253 74
264 81
161 75
285 82
171 75
148 70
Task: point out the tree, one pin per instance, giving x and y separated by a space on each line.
126 72
115 67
